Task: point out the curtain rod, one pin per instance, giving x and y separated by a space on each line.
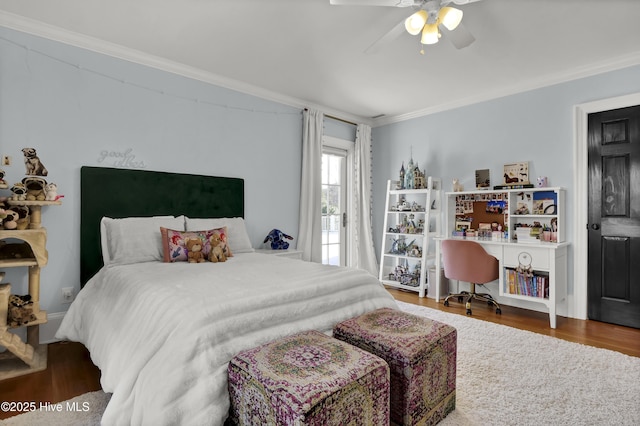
337 118
341 119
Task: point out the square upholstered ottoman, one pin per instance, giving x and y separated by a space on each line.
421 354
308 379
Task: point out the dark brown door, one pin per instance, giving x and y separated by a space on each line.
614 216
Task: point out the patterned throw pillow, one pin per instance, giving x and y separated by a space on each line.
174 243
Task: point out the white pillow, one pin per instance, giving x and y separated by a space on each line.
239 241
135 239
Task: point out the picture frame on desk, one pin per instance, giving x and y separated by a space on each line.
516 173
483 179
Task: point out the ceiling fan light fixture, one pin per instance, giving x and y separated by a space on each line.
450 17
415 22
430 34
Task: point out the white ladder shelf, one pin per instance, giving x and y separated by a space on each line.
411 220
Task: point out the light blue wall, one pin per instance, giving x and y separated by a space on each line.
339 129
535 126
72 104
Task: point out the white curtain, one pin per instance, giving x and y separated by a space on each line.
310 230
365 257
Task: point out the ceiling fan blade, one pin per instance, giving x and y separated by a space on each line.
461 37
383 41
392 3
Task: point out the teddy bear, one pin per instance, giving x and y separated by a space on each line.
194 250
20 310
216 254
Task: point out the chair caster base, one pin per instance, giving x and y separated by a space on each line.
446 303
468 311
498 311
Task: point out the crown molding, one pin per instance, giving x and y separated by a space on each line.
51 32
562 77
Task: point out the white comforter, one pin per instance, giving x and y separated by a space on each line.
162 334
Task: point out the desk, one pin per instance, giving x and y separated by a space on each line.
545 258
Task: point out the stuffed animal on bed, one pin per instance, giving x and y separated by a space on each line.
277 237
194 250
216 254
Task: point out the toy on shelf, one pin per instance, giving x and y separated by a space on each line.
404 276
32 163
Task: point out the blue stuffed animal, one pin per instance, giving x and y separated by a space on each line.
277 237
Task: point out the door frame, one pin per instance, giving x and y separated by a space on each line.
581 194
349 233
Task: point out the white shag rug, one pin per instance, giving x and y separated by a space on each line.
83 410
505 376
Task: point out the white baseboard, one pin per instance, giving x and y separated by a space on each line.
48 330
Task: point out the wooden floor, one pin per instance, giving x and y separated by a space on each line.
71 373
593 333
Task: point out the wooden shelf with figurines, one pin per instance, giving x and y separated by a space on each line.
23 244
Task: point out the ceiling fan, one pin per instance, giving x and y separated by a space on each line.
431 18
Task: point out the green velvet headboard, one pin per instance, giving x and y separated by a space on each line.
122 193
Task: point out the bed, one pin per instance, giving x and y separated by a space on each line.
162 331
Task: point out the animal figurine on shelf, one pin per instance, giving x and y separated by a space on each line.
35 188
20 310
277 238
194 250
32 163
10 220
51 192
19 192
457 186
216 254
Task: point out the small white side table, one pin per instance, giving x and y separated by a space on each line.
291 253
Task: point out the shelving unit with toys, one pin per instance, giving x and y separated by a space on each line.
411 220
23 244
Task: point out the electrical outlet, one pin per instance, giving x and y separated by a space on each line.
6 160
68 295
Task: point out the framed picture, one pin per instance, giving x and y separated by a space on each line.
516 173
483 181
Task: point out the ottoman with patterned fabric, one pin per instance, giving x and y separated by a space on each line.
422 360
308 379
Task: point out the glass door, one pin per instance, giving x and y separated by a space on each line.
334 209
